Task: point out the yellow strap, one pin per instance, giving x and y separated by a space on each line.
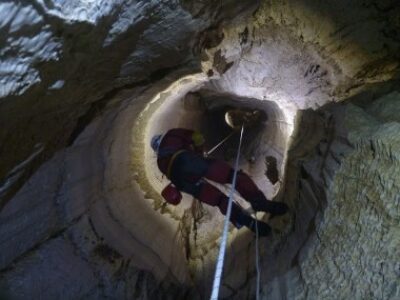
171 161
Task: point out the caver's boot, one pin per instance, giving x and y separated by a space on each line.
263 228
260 203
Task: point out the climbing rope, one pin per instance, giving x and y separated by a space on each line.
222 248
257 262
220 143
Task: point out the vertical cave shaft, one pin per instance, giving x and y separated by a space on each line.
84 86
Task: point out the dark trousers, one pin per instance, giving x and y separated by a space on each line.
188 171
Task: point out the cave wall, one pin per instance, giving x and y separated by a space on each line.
87 232
82 86
305 55
66 59
358 231
343 178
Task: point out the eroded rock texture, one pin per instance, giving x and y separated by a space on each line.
64 60
84 86
358 234
353 242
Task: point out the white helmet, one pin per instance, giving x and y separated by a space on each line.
155 142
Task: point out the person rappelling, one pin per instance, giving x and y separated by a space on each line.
180 156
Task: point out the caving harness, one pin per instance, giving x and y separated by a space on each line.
171 162
170 193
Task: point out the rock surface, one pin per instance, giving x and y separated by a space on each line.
84 86
353 235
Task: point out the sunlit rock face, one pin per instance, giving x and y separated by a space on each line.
84 86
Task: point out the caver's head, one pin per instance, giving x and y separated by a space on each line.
155 142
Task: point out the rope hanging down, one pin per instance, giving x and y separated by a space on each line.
222 248
220 143
257 262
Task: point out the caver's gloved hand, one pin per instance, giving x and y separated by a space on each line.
171 194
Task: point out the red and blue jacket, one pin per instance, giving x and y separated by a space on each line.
174 141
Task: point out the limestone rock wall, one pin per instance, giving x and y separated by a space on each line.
64 60
353 246
301 56
86 83
357 240
89 233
